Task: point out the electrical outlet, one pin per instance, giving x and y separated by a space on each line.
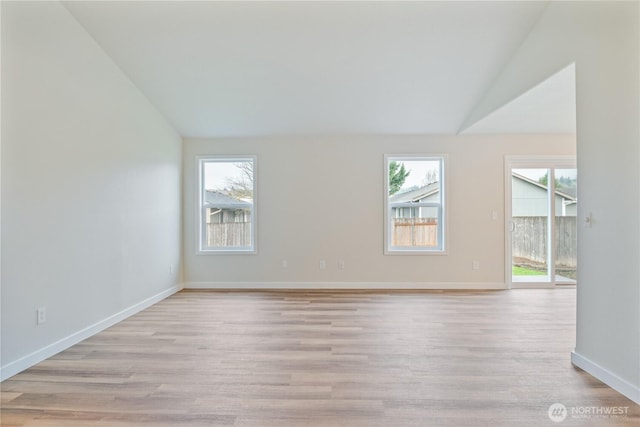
41 315
323 264
284 263
341 264
475 265
170 268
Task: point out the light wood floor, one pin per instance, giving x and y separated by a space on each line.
322 359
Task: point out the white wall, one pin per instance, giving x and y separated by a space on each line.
322 198
603 39
90 187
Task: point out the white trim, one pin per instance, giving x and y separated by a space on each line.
508 223
17 366
531 285
609 378
349 285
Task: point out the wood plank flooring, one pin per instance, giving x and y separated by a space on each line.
207 358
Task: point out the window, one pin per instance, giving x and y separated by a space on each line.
414 204
227 210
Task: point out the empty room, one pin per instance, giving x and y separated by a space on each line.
321 213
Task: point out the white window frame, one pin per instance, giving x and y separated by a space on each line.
201 248
441 249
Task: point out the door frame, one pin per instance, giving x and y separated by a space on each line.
539 162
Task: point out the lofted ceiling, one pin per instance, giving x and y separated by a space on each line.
219 69
548 107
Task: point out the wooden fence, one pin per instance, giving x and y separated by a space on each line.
406 232
530 240
414 232
229 234
529 237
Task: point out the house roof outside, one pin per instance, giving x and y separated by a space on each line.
216 199
566 193
413 196
417 194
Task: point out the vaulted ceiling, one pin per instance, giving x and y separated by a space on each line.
266 68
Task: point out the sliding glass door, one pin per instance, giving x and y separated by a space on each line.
541 222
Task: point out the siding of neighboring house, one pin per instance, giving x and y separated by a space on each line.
571 209
222 208
420 212
529 199
426 194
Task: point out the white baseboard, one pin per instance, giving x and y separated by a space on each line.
348 285
17 366
609 378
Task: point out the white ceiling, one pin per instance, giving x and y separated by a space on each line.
264 68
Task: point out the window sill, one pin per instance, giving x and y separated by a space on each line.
415 252
226 252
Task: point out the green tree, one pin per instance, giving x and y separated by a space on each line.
544 180
397 176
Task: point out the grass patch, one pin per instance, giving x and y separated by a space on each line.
521 271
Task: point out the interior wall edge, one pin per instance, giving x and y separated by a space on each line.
25 362
609 378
